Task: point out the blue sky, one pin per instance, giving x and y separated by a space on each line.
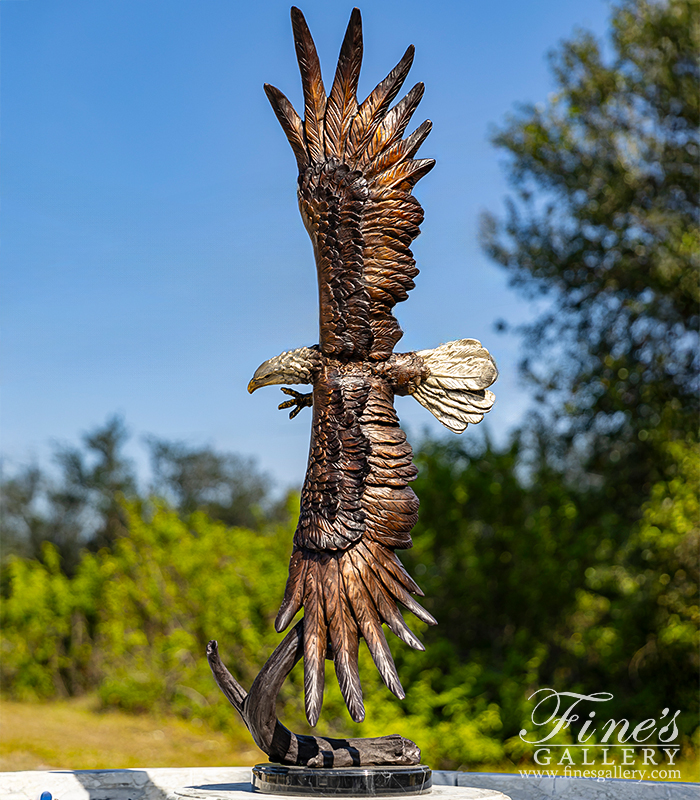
152 251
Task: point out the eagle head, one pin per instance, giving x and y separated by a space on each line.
292 366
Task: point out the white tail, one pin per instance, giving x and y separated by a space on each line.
456 391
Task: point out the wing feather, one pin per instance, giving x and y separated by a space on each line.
357 507
344 638
356 175
370 625
385 604
291 124
293 592
315 639
395 587
391 563
312 84
393 125
373 109
342 101
406 148
405 172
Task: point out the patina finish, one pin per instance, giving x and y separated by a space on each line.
356 177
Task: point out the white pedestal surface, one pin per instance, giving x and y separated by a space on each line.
233 783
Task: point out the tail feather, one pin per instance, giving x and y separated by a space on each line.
455 391
465 411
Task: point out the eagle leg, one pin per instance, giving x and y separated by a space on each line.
299 400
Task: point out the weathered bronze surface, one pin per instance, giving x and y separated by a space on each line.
356 176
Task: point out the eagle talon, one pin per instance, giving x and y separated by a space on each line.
299 400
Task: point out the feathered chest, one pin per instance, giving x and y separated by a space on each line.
356 446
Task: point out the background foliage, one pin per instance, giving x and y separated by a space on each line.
567 558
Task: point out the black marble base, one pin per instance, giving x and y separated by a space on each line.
358 781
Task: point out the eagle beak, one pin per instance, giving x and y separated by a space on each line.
267 374
257 381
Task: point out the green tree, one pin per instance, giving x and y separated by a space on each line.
23 522
605 225
78 506
529 587
227 486
92 482
636 616
500 551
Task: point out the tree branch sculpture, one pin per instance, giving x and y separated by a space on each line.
257 709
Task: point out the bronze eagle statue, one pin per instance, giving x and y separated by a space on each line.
356 176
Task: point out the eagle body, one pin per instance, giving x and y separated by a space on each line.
356 177
359 456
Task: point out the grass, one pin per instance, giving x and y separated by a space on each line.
74 734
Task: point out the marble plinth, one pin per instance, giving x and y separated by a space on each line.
358 781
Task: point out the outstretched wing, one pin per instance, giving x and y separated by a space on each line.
356 175
356 508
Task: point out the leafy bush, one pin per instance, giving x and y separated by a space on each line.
523 600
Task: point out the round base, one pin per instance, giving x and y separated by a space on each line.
359 781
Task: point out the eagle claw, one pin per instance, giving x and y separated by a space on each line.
299 400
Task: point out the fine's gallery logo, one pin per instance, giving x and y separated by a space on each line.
623 749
